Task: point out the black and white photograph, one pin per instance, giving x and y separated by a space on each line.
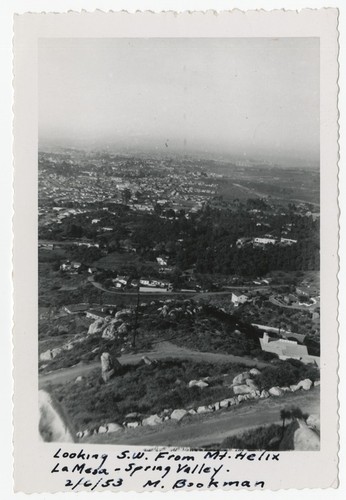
178 242
175 251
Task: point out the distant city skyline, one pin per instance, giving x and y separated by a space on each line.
242 97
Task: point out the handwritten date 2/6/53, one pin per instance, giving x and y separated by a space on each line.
92 484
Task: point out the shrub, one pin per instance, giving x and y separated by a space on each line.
261 438
286 373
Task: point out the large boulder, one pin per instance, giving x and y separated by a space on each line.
198 383
313 421
113 427
225 403
253 395
149 361
109 333
123 313
294 388
108 366
178 414
46 356
102 429
305 438
54 424
275 391
305 384
122 329
96 327
56 351
254 372
264 394
152 420
251 384
164 311
242 389
132 425
203 409
241 378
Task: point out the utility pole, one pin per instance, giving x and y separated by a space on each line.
136 318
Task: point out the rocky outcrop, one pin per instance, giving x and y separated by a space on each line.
96 327
122 329
113 329
241 389
250 383
241 378
109 333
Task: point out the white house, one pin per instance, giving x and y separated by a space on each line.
239 299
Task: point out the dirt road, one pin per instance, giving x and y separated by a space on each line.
161 350
202 430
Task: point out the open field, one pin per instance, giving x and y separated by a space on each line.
289 184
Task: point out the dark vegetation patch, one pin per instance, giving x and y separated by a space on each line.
285 373
261 438
144 389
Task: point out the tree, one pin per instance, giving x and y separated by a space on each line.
284 415
126 196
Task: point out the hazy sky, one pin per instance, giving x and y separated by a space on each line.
238 96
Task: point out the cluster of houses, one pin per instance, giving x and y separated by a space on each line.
262 241
52 245
143 284
70 266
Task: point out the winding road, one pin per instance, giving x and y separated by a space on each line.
202 430
161 350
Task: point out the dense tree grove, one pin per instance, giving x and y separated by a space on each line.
207 239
